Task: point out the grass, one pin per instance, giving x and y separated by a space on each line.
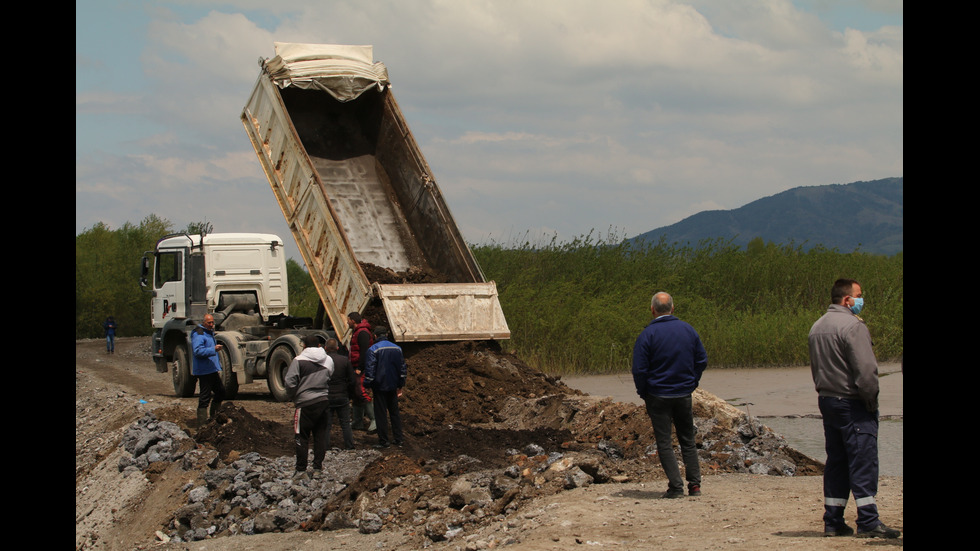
576 307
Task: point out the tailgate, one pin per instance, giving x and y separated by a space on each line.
443 311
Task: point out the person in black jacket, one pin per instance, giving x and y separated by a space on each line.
341 390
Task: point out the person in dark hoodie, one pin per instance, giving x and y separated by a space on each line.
341 389
307 386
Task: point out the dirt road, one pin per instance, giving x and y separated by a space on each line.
736 511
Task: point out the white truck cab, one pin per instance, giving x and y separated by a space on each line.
240 279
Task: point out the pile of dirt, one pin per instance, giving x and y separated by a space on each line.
474 415
234 429
414 274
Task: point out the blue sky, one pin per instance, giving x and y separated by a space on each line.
537 118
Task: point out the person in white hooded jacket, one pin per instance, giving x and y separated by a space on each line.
306 385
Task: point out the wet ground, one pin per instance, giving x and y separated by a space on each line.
784 400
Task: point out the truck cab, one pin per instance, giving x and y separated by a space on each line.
240 279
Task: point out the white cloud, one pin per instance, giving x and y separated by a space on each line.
557 115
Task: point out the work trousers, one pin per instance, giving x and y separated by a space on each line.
311 420
342 411
361 410
677 413
851 441
385 408
211 388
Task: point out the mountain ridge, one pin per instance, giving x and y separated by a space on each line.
864 216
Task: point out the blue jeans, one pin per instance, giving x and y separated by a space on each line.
851 441
666 413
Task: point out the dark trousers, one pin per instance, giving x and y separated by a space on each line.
385 408
678 413
851 441
312 421
342 411
211 388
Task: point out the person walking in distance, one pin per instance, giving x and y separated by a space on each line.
668 361
361 339
109 325
206 368
307 386
845 374
341 389
385 375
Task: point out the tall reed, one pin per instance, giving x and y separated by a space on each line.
577 306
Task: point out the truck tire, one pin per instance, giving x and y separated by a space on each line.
279 362
228 378
184 382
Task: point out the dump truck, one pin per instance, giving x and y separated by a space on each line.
356 192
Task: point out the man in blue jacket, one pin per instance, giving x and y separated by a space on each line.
668 360
206 367
385 375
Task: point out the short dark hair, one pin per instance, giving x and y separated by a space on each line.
311 341
380 331
355 316
332 345
842 288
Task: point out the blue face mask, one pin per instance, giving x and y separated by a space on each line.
858 305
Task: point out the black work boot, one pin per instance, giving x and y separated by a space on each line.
202 418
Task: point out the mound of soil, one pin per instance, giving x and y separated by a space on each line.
455 391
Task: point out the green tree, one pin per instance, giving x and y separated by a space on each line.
107 270
303 298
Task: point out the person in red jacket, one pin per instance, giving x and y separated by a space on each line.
361 339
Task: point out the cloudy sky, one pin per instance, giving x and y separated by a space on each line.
538 118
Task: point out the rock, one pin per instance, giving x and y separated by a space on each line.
337 520
576 478
265 522
369 523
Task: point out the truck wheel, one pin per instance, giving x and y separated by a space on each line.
184 382
228 378
279 362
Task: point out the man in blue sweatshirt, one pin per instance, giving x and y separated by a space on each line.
668 360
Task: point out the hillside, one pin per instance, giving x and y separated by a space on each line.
865 216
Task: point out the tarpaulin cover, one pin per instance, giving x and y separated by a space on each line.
345 72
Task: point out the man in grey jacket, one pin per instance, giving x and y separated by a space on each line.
306 385
845 374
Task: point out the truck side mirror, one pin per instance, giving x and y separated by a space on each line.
144 271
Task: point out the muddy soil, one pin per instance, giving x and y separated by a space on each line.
463 399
